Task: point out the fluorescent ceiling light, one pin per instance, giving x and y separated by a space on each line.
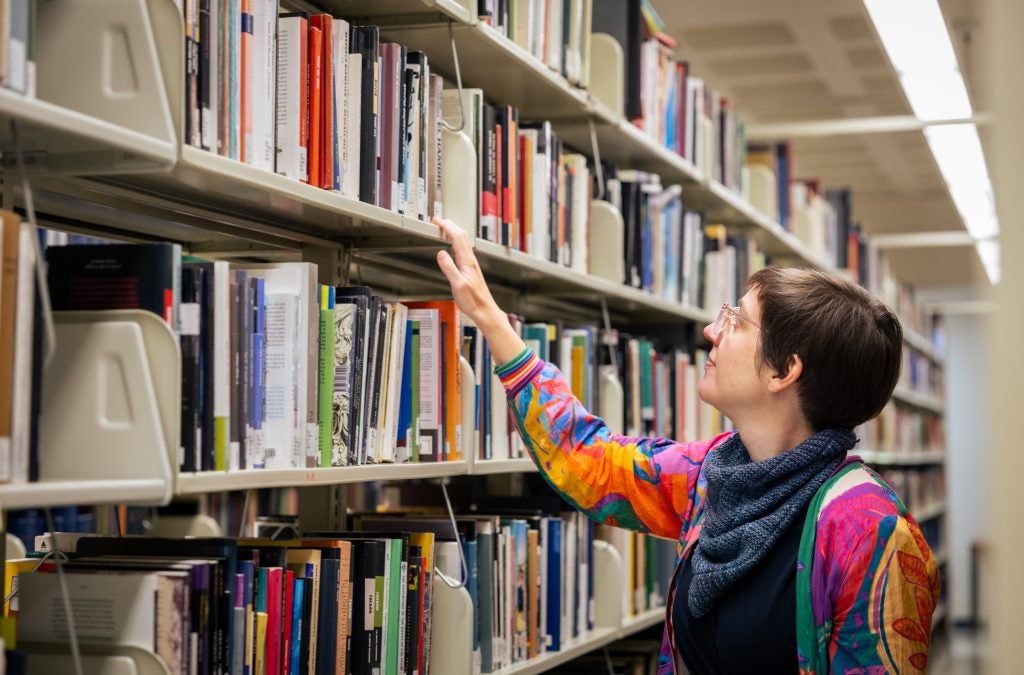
914 35
917 41
988 251
957 151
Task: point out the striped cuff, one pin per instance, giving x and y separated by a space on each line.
518 372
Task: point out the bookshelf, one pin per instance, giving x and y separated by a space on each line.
224 207
888 458
936 510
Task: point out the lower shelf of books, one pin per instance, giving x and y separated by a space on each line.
42 494
210 481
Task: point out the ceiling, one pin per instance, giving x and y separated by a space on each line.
801 60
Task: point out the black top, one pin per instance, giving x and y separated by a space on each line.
752 627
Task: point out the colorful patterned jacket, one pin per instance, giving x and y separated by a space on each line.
867 582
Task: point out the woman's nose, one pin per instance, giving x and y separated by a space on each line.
709 334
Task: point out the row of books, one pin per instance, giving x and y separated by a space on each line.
358 601
904 430
314 98
920 374
919 488
556 32
354 602
664 98
278 371
533 194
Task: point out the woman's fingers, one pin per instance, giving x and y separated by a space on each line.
448 267
461 247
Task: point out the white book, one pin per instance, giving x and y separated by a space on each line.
523 12
22 373
428 422
538 26
499 419
264 55
580 213
588 12
350 151
340 49
571 67
113 609
222 361
553 36
291 291
291 48
394 353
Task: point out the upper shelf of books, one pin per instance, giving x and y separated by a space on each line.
509 66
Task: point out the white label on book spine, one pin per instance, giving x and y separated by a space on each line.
189 312
369 588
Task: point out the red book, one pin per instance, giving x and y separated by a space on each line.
316 37
325 23
525 177
245 151
682 142
286 619
274 609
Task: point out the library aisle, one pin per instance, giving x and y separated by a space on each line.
253 421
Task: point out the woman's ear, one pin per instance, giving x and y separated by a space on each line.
779 382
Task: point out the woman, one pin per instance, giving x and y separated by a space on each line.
793 555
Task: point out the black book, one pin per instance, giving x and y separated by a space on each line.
414 628
221 551
115 276
191 289
205 460
489 186
366 41
622 20
352 435
379 317
327 623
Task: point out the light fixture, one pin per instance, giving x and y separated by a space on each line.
915 37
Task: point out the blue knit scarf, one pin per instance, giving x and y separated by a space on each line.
750 504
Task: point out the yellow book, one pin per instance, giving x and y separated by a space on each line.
261 642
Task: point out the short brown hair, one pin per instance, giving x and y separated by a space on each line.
850 343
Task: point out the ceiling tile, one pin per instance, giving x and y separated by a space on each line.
867 58
738 35
768 64
851 28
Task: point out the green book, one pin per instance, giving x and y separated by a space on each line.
646 386
326 392
394 600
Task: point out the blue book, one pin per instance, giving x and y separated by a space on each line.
405 401
647 247
470 551
294 659
238 633
327 629
335 141
257 379
554 583
487 451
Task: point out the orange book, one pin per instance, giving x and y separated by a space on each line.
325 23
532 599
316 37
246 152
10 228
451 330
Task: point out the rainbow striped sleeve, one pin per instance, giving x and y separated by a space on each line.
519 371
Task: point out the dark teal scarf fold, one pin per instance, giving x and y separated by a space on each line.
750 504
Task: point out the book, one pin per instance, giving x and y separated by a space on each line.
292 113
327 373
365 42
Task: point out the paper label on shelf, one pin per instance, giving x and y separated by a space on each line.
313 443
368 591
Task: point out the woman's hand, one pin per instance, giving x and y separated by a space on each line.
472 295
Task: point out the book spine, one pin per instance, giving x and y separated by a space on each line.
205 76
258 376
247 100
291 98
222 364
314 109
234 30
327 367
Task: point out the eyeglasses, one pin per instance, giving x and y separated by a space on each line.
729 316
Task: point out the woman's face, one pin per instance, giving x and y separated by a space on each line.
731 380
